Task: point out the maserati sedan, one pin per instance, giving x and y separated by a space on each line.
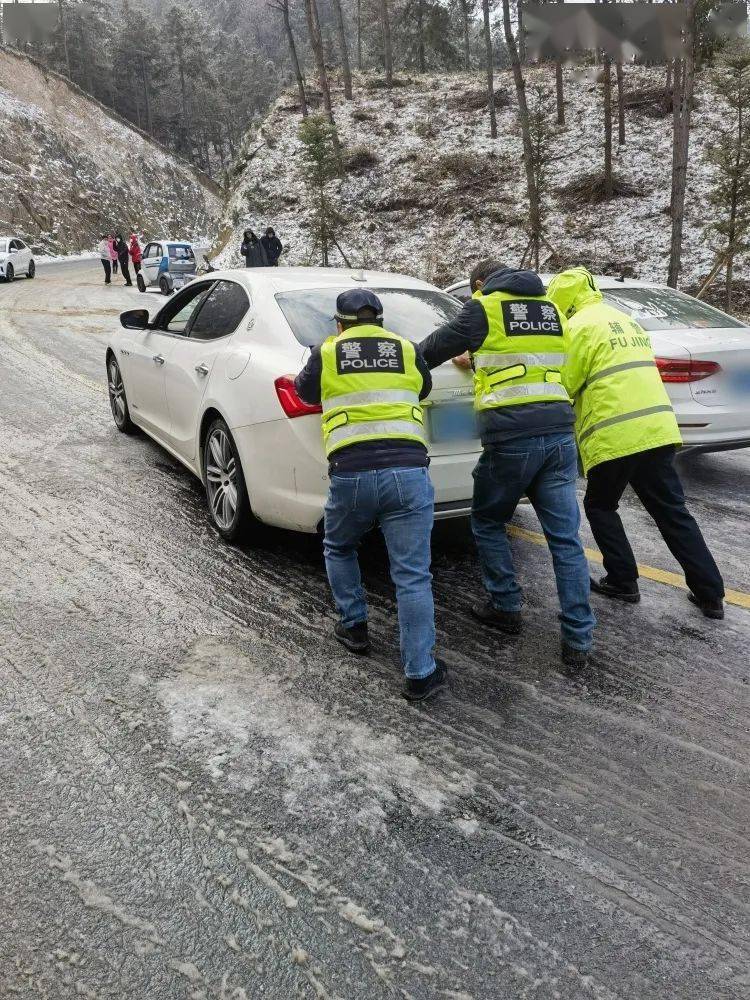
211 378
15 258
703 356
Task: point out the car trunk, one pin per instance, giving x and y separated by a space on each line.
449 412
730 349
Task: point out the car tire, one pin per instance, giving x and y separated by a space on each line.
10 273
224 482
140 282
164 286
118 401
32 269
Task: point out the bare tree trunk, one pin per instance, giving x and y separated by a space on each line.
521 32
490 60
465 30
146 96
64 30
421 61
734 198
346 69
385 17
620 104
535 225
316 42
683 100
559 92
359 35
607 70
283 7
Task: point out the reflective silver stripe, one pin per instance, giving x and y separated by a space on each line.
626 366
621 417
377 428
369 398
530 360
519 391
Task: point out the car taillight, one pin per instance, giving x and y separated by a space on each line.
681 370
291 404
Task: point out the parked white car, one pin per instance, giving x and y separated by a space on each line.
702 353
15 258
210 378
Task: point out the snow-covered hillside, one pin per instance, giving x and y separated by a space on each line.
441 194
70 170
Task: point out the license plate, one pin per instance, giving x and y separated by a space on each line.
452 423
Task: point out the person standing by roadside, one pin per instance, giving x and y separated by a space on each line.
272 246
516 339
370 383
136 254
121 248
628 435
105 259
112 252
253 251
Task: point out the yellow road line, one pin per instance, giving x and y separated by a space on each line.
649 572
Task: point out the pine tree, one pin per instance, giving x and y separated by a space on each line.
321 166
730 155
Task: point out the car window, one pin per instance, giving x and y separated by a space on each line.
667 309
149 251
174 318
221 311
20 245
179 252
410 312
13 245
462 292
157 250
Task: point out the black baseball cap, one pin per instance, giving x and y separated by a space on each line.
350 304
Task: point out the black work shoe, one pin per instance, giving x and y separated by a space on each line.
711 608
355 638
573 657
419 688
627 592
509 622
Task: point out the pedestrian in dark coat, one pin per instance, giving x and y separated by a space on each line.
123 255
272 246
253 250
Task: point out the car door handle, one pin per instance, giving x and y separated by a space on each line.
158 359
202 368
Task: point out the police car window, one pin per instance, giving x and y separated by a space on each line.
667 309
221 312
411 312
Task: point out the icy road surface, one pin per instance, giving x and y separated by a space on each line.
203 796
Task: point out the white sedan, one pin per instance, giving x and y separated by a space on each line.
15 258
702 353
211 379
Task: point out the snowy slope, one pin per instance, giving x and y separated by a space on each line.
420 211
70 170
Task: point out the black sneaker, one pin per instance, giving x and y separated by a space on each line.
627 592
573 657
355 638
509 622
419 688
711 608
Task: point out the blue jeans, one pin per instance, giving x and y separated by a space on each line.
401 501
545 470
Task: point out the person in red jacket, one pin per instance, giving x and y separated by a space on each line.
135 252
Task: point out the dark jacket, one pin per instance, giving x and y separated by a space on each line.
272 246
121 249
254 253
367 455
467 332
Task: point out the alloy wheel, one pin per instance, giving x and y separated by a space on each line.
10 273
221 479
32 269
116 393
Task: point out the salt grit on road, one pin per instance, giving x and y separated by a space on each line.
203 796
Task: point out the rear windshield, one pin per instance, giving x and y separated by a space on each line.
410 312
180 252
667 309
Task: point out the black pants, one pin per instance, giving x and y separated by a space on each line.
656 484
125 272
114 267
107 265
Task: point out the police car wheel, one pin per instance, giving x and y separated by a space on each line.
224 482
164 287
140 282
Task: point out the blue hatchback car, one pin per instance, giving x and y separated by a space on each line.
168 264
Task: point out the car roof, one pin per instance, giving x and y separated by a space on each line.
282 279
163 239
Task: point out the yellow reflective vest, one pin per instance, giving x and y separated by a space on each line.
370 387
621 404
523 353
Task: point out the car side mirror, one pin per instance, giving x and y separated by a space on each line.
135 319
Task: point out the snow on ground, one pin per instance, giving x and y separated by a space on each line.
425 209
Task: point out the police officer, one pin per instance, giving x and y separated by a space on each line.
370 383
516 339
627 434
